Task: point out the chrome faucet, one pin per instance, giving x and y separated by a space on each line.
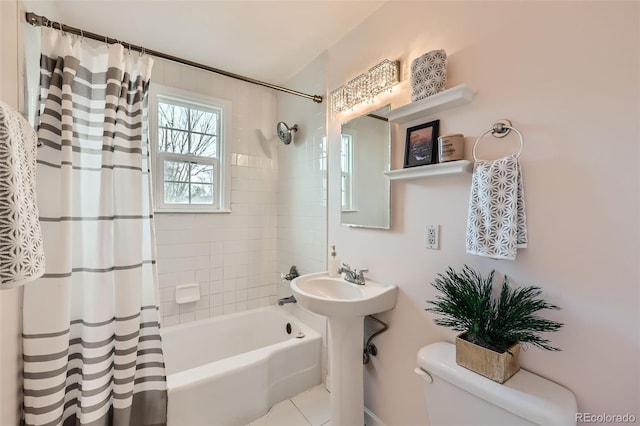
354 276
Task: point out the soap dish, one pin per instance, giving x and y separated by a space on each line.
187 293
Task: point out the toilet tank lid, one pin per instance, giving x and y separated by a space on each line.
525 394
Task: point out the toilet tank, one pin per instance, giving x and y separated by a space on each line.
457 396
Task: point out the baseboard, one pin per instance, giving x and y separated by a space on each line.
371 419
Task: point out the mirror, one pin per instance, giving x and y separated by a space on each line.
365 153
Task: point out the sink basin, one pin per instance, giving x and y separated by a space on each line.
337 297
345 305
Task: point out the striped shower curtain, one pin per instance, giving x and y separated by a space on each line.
91 342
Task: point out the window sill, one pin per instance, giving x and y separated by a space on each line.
183 211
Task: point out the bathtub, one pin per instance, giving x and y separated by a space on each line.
230 370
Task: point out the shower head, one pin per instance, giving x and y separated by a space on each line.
285 133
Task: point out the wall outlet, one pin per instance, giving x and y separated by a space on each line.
432 237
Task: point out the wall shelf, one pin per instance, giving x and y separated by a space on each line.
450 98
452 167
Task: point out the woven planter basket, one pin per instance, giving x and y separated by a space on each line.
494 365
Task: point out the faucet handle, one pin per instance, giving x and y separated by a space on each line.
360 273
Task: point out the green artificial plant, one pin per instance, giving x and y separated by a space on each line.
466 304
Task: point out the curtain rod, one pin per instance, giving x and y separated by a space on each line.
37 21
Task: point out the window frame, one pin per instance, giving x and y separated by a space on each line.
349 175
221 164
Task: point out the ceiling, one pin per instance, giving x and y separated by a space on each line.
262 39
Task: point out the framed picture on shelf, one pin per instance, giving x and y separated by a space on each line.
421 146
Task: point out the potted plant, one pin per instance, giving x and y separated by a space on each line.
492 328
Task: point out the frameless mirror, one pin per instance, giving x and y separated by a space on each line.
365 152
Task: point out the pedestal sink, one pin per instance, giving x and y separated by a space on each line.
345 305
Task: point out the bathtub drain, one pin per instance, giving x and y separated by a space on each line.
288 328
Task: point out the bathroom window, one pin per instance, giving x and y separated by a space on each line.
346 166
188 133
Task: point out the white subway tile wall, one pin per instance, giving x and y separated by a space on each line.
232 256
302 190
302 180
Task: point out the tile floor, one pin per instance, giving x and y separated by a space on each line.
308 408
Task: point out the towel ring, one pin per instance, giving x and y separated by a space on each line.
500 129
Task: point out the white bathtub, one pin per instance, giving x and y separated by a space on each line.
229 370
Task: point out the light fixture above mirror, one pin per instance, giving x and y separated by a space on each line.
365 87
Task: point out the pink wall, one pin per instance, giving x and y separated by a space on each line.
567 75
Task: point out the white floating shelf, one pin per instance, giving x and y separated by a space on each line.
450 98
452 167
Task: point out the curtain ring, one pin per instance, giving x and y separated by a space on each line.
106 41
81 36
142 51
129 48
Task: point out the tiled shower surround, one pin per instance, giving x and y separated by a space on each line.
232 256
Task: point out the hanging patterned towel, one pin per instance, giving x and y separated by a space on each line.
21 250
497 223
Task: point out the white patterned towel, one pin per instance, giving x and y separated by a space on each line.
497 224
21 250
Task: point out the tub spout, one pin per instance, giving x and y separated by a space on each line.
290 299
